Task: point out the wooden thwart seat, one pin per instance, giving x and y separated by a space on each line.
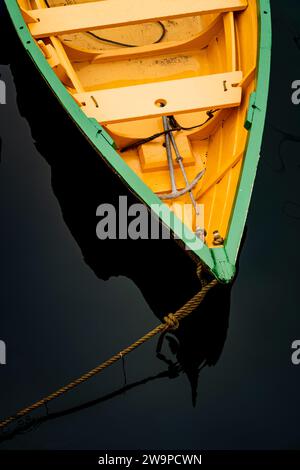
112 13
162 98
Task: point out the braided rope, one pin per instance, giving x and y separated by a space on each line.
171 322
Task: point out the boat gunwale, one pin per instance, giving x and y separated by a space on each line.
220 260
255 135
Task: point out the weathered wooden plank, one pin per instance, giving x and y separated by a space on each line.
163 98
112 13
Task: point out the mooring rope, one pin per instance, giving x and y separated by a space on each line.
171 322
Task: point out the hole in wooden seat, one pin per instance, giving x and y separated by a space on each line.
161 103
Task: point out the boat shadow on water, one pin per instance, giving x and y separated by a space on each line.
163 272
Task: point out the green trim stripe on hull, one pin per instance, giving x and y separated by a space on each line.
220 261
255 123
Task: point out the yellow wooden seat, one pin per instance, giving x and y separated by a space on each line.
113 13
163 98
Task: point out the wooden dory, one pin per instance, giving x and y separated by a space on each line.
173 96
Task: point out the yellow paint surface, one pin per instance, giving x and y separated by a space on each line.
129 89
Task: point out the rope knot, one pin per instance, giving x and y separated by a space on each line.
171 322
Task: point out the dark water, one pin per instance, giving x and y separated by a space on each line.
68 301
